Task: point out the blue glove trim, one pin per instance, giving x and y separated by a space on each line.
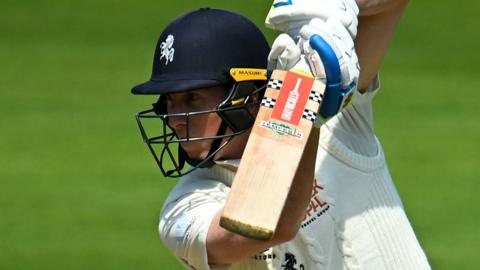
334 94
285 3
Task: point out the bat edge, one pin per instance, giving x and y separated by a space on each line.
245 229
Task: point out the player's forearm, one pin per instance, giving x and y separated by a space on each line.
300 192
372 7
374 35
224 247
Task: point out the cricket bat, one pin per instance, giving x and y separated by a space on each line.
272 154
274 149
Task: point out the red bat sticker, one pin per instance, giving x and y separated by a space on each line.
292 98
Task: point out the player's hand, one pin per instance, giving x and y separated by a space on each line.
326 47
287 55
284 55
335 35
289 16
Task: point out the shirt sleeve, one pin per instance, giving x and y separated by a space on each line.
353 126
186 218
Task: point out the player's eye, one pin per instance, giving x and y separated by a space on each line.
194 97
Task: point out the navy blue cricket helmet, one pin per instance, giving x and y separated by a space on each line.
198 50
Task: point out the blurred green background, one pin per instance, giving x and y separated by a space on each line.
79 189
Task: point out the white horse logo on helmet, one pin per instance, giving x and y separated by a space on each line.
167 50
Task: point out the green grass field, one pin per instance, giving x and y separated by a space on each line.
79 190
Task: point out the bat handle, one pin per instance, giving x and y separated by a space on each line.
334 96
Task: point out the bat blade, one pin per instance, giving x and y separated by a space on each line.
272 154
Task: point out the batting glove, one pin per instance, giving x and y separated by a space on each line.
336 36
289 16
284 55
314 38
323 55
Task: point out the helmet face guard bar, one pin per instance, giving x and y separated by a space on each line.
166 148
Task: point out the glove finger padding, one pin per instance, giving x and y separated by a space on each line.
284 53
289 16
339 40
348 58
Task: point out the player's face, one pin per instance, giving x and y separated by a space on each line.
203 125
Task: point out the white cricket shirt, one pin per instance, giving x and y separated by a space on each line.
355 219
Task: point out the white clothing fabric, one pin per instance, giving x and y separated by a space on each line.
355 219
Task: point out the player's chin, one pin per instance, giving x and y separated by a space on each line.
195 150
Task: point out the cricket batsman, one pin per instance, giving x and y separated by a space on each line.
207 86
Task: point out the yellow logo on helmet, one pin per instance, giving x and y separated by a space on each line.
248 74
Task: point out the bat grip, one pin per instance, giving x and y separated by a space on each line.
334 94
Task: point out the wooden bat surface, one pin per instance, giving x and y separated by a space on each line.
272 154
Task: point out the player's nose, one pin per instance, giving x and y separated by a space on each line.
178 114
178 122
